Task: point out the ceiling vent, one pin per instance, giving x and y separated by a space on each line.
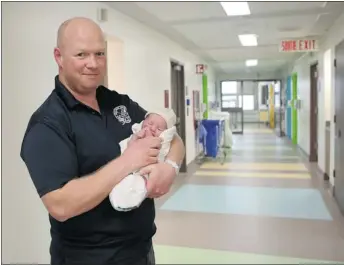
289 29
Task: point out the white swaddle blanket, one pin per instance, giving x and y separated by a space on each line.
131 191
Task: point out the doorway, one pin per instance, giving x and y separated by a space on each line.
339 126
114 76
105 81
313 156
178 102
288 107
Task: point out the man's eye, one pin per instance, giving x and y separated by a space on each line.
100 53
81 54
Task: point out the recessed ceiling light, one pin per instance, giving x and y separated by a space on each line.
236 8
251 62
248 40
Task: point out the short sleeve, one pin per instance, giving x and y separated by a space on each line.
50 158
136 112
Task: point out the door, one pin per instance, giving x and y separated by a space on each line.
313 156
339 126
294 111
288 95
178 102
105 81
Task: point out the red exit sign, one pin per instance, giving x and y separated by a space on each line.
303 45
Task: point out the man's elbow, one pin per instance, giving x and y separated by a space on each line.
55 208
58 214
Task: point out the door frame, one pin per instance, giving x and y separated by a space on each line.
180 98
313 154
105 81
338 119
288 107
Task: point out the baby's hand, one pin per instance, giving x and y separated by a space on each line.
139 135
148 132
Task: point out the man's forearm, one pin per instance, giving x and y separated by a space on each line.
177 150
83 194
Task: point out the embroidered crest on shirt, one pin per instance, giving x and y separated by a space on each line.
121 114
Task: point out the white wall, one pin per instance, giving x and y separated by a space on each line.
302 68
333 37
29 33
327 82
115 64
326 79
267 75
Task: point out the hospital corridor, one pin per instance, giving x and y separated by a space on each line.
263 205
248 94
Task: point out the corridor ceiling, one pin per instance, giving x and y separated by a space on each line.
206 30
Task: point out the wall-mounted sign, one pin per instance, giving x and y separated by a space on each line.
200 68
166 98
300 45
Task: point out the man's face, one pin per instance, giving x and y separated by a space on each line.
155 124
82 59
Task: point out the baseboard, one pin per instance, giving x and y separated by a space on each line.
192 166
319 170
322 173
326 176
303 152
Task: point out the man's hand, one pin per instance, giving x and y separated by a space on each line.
161 177
142 152
140 135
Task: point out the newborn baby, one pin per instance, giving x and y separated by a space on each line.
131 191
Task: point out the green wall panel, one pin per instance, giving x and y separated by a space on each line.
205 95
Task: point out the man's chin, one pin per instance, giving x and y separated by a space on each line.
91 83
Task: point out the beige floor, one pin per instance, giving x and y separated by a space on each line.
265 205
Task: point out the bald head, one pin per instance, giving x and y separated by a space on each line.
80 55
75 27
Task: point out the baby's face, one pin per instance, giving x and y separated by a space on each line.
154 124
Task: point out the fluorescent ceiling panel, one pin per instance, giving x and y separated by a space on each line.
251 63
248 40
236 8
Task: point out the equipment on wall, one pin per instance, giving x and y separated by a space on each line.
272 106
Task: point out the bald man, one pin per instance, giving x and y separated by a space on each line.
71 149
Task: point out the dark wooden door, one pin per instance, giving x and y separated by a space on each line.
313 156
339 126
178 102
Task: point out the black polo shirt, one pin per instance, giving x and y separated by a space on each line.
67 139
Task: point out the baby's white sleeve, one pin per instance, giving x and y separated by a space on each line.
167 137
124 144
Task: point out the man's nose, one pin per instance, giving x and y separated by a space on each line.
92 62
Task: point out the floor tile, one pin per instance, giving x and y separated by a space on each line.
265 201
180 255
253 174
256 166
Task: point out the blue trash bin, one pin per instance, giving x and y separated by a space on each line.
212 127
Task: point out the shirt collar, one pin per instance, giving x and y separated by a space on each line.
70 100
65 94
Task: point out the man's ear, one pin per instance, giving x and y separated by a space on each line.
58 56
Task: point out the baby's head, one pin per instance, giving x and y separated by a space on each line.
158 121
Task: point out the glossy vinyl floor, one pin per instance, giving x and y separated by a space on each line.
264 205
